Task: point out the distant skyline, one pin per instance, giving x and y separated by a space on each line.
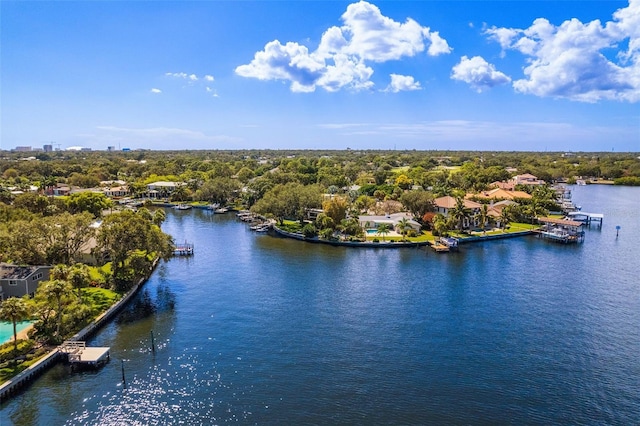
425 75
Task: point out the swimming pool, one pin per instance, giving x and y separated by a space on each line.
6 330
372 231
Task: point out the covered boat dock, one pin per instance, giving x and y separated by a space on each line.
561 230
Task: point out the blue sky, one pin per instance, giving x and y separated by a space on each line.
460 75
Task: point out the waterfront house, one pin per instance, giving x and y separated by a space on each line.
527 179
162 189
445 204
17 281
116 191
499 194
372 222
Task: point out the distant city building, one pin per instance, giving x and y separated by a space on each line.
22 148
85 149
47 148
111 148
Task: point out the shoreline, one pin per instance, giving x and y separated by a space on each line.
17 383
398 244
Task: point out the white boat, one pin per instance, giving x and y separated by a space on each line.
182 207
221 210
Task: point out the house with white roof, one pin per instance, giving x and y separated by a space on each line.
372 222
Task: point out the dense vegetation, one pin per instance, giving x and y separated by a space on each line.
39 228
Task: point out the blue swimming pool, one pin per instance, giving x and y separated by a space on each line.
372 231
6 330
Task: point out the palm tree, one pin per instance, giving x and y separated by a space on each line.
459 213
403 226
440 225
14 310
506 216
181 193
55 291
383 229
79 278
325 222
484 215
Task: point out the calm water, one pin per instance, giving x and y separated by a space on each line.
264 330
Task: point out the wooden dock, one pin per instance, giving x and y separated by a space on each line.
438 247
79 354
586 218
183 249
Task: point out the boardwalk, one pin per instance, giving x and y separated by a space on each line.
79 354
183 249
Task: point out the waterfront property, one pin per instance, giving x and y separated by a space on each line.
308 333
445 204
393 220
18 281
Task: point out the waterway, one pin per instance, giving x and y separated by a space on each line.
257 329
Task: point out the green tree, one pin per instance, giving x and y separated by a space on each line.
335 208
56 293
483 216
92 202
79 278
404 226
289 201
123 233
506 216
440 225
417 202
459 213
404 182
14 310
64 236
383 229
325 222
158 217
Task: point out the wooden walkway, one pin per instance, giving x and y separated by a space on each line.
438 247
183 249
78 353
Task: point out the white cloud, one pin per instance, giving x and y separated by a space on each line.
342 57
478 73
192 80
401 83
177 74
154 90
567 61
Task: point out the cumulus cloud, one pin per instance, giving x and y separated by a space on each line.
208 77
400 83
155 90
567 61
478 73
343 56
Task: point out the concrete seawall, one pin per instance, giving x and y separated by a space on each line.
18 382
